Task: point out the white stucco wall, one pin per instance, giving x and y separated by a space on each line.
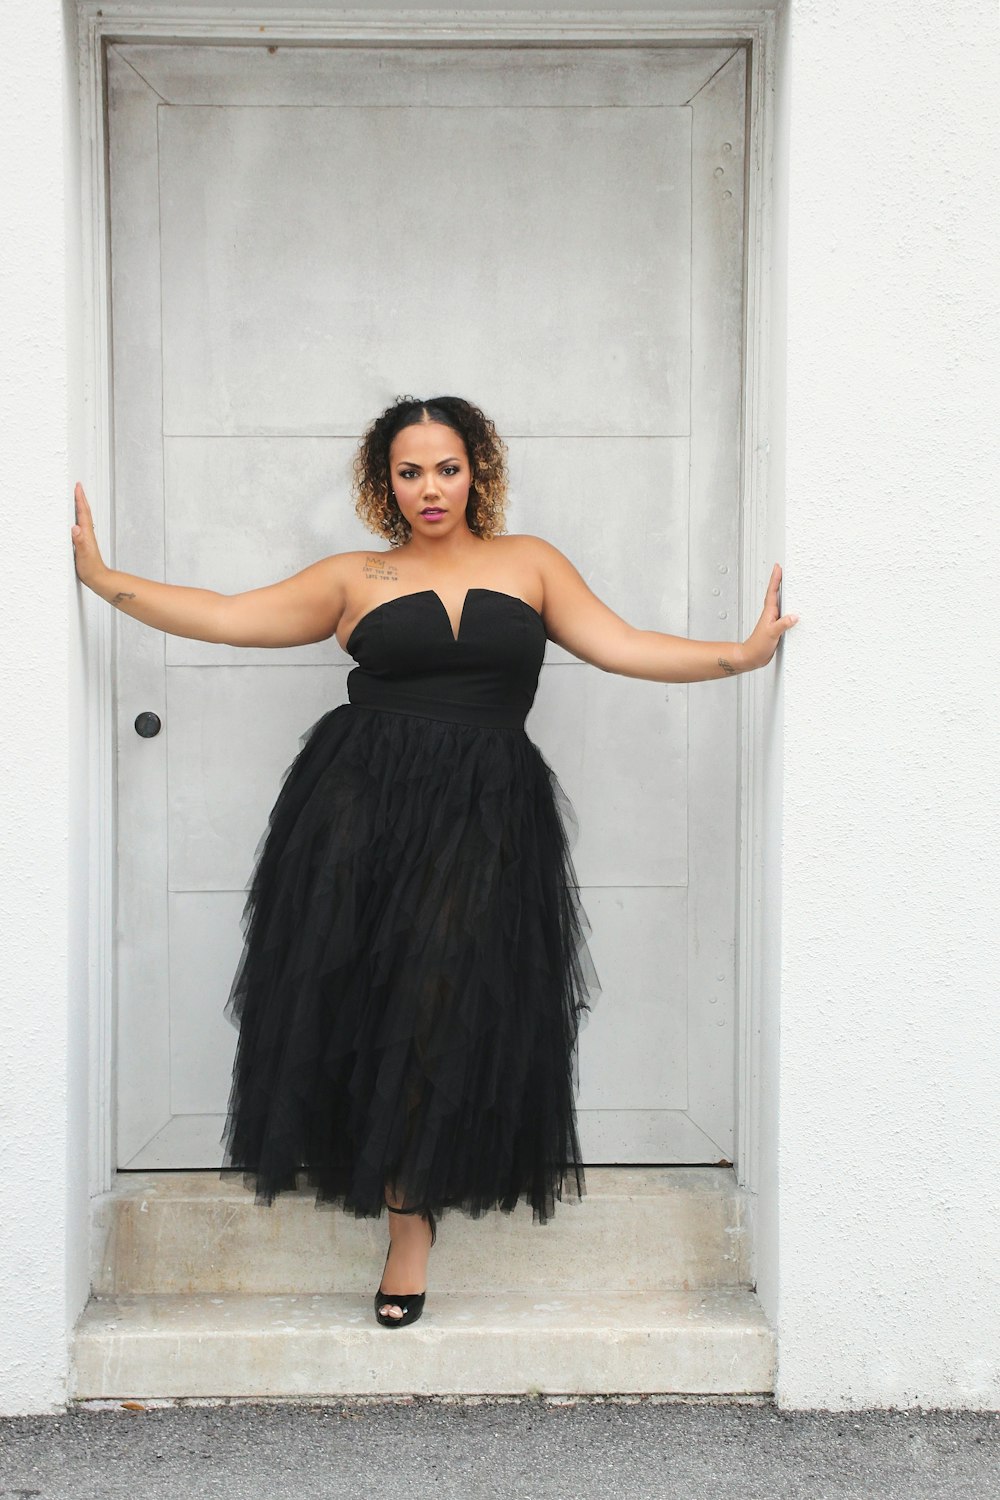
83 850
766 1221
886 1112
43 789
878 1114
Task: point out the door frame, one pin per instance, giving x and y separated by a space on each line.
103 22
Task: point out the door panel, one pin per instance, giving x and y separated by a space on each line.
296 238
543 76
227 751
205 942
403 242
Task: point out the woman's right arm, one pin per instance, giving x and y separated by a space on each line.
295 612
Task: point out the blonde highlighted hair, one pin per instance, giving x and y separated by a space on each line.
486 450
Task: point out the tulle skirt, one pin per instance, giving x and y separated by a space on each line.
414 974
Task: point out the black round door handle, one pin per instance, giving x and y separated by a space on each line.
147 724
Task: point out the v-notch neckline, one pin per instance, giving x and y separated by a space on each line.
455 634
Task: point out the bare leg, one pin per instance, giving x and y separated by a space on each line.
410 1243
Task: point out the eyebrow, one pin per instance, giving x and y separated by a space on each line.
408 463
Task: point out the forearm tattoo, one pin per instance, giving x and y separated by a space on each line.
726 666
381 568
119 597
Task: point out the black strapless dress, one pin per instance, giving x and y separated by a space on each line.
415 962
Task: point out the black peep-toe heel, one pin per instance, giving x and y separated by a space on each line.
411 1303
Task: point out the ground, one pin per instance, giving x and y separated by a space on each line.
513 1449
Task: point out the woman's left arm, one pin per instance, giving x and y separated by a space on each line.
576 619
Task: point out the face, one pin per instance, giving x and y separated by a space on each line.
430 475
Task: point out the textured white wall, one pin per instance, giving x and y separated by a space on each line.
770 789
888 1130
42 963
32 852
83 849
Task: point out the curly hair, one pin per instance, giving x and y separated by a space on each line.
486 451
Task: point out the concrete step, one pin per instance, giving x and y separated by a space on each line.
638 1229
695 1342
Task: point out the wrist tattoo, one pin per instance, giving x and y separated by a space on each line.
379 567
727 666
119 597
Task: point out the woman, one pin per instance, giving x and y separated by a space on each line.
415 962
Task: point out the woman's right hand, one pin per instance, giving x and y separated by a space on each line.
90 565
295 612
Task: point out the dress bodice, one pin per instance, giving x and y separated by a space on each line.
410 661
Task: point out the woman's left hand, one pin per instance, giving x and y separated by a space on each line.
761 644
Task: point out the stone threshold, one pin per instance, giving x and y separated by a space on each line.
707 1341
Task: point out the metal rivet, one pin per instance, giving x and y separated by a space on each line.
727 145
716 591
723 567
723 614
720 171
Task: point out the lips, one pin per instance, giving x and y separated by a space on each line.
433 510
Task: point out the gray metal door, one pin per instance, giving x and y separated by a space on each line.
298 236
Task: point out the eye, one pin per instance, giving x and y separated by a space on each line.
407 473
451 469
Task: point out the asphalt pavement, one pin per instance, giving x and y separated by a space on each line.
514 1449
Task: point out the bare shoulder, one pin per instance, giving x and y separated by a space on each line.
529 549
520 541
347 562
356 571
543 558
350 568
335 580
